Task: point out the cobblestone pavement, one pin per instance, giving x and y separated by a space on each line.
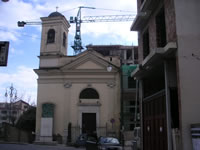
35 147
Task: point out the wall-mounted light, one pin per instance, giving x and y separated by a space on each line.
109 68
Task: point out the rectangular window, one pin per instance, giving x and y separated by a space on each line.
129 54
132 127
160 29
132 103
131 119
146 44
131 83
136 56
4 118
132 110
4 112
14 112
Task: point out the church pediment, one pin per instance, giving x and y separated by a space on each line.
90 65
88 61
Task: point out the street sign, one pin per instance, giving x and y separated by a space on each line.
4 46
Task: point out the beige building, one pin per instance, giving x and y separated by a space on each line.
168 73
82 90
11 112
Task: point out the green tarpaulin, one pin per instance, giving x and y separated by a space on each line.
128 69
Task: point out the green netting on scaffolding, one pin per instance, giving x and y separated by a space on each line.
128 69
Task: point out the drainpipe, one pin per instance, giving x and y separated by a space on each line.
122 110
136 102
168 114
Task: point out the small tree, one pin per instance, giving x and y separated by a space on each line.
69 137
27 120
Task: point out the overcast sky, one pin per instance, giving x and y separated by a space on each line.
25 42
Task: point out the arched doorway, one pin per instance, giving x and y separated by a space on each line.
88 115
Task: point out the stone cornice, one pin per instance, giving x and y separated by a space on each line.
54 71
69 81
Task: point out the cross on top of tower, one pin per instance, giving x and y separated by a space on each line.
57 8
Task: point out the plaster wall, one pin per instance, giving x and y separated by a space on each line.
60 26
52 93
107 102
67 105
188 35
52 62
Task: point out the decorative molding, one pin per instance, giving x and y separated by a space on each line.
89 104
74 80
89 85
67 84
111 84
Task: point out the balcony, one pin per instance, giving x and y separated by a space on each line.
144 13
155 57
140 21
149 5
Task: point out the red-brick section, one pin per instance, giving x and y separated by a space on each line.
138 5
170 21
140 48
170 27
152 33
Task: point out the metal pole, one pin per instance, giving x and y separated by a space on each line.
136 103
11 92
122 110
168 114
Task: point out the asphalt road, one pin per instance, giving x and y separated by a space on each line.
35 147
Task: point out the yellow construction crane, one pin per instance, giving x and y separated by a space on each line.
77 45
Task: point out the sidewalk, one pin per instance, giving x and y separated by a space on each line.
128 145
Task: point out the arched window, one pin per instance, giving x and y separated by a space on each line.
89 93
64 39
51 36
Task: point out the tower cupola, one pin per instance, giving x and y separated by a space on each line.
54 39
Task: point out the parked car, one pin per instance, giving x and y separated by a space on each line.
108 143
81 140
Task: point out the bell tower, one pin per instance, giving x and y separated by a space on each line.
54 38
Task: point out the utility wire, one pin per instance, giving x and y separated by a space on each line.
69 10
115 10
24 34
38 19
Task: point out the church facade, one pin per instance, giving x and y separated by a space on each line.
76 94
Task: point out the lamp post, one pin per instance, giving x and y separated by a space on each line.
11 92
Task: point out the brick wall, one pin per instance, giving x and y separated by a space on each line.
170 27
152 33
138 5
140 48
170 21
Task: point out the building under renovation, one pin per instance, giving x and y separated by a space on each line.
168 73
128 56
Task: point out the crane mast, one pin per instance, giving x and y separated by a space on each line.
77 46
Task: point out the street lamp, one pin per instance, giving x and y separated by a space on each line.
11 92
